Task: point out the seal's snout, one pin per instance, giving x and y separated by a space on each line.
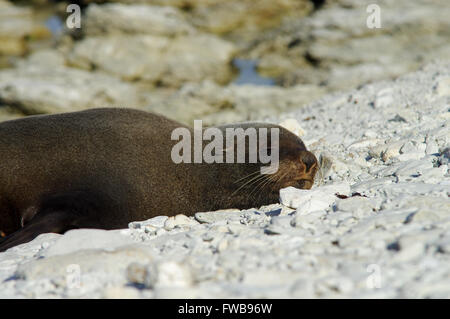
308 170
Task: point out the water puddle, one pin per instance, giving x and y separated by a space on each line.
248 73
55 25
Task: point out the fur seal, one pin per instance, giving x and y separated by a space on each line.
103 168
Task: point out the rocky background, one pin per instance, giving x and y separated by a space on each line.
220 61
373 104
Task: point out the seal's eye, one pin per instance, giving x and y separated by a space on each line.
304 184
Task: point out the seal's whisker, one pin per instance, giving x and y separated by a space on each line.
243 178
255 189
249 182
274 177
277 177
265 185
281 177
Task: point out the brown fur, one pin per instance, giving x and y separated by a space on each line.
104 168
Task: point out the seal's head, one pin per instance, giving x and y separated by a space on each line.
253 186
297 169
297 166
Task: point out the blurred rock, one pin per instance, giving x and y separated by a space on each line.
33 88
430 209
319 198
17 27
217 105
81 239
212 217
156 60
241 20
88 262
119 292
335 48
359 206
179 221
9 113
293 126
157 222
135 19
167 274
244 19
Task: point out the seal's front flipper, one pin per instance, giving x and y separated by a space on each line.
54 222
57 213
